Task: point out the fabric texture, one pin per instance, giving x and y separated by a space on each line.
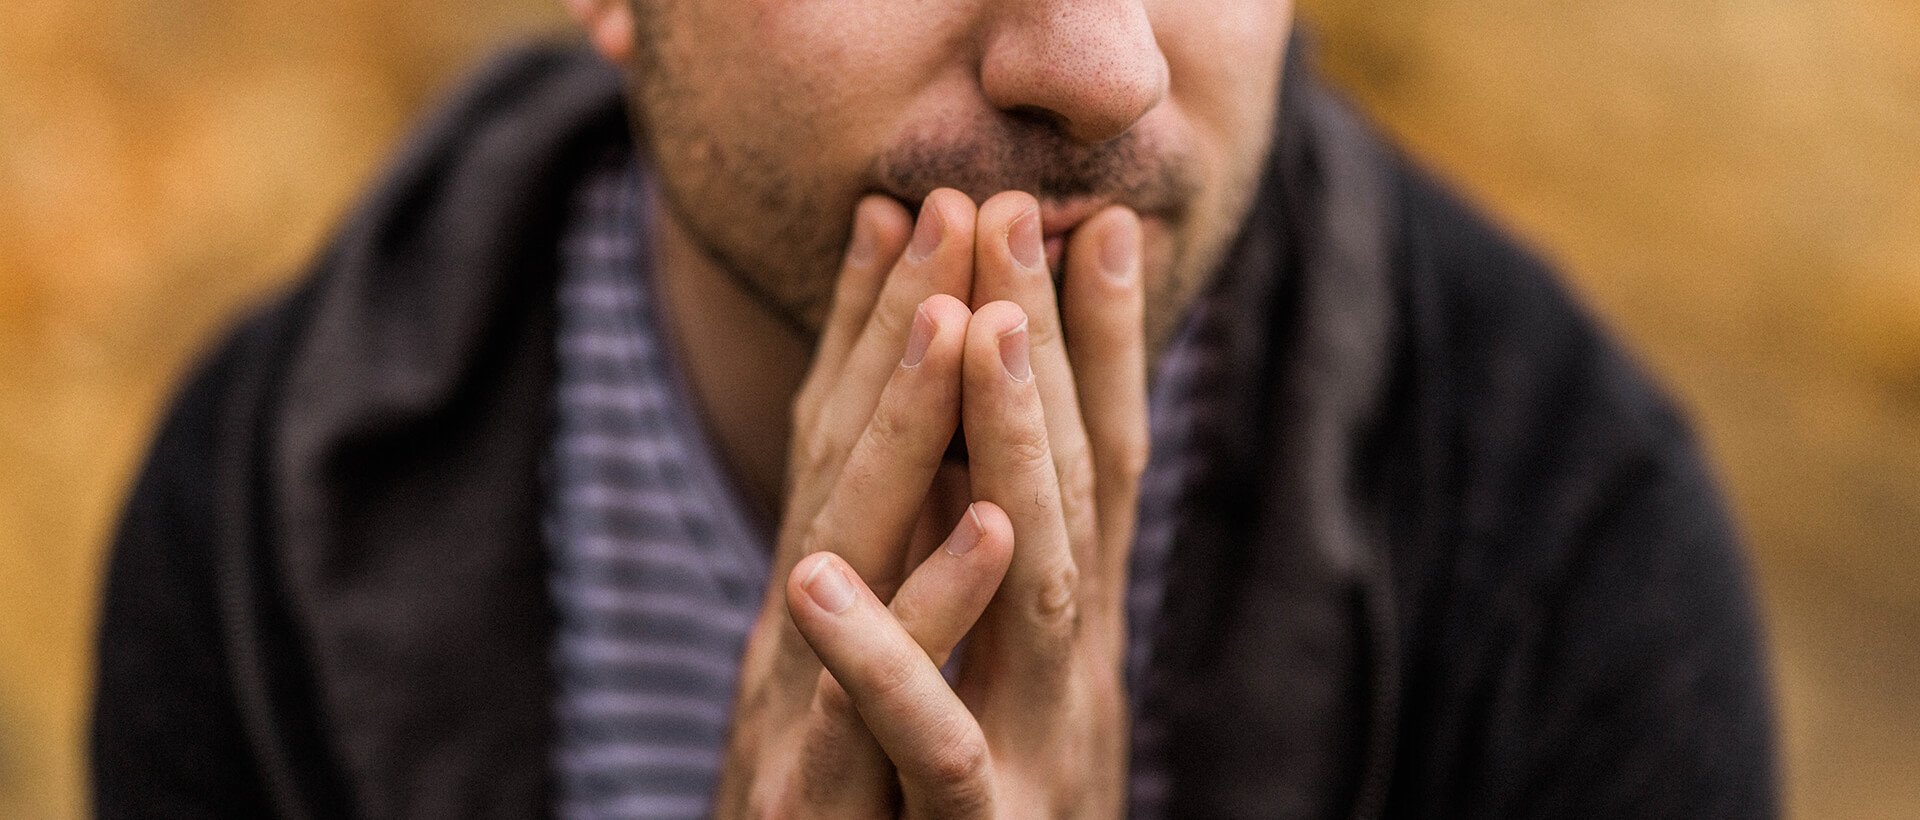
656 575
1449 553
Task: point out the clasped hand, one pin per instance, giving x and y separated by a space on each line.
842 707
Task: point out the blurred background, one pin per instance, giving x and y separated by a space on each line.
1735 185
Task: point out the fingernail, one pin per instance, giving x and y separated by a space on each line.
1013 353
1120 250
860 246
926 235
919 339
828 587
1024 241
967 536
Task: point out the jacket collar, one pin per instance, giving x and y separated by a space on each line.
1279 631
409 432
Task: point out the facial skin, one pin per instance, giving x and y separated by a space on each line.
768 120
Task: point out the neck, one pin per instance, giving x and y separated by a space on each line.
743 363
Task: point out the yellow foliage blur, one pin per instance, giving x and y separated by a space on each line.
1735 186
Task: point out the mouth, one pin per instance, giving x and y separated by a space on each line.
1058 218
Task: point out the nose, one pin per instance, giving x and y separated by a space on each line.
1090 66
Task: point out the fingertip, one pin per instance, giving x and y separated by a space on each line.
991 518
880 230
995 528
1009 241
998 345
999 317
953 197
823 579
1002 208
980 528
945 308
878 235
1105 301
1107 250
884 209
803 569
946 335
943 239
1120 246
956 209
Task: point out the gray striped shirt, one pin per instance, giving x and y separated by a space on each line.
657 573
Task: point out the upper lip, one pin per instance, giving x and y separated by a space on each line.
1057 217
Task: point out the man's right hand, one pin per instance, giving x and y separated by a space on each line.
871 426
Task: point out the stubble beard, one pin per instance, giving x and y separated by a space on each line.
785 265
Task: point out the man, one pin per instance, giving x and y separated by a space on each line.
655 453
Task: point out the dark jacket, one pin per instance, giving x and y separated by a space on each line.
1456 556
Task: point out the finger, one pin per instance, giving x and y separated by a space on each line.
1030 626
939 259
880 228
926 731
879 234
1102 306
946 501
842 772
843 769
877 497
1010 264
943 598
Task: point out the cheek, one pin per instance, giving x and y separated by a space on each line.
1159 247
1224 62
850 66
774 103
1170 286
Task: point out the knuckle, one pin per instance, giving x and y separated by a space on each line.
887 430
819 535
1040 335
1077 473
957 762
1027 447
892 433
887 676
832 706
765 799
811 398
1130 458
1054 607
806 407
810 458
888 322
814 454
909 610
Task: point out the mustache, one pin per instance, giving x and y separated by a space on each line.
1010 154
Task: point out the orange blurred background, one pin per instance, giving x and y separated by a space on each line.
1735 186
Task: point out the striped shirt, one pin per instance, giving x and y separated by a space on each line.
656 571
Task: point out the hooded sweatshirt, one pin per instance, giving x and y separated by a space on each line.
1453 554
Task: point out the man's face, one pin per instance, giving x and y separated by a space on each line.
768 120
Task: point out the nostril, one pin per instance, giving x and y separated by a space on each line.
1037 115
